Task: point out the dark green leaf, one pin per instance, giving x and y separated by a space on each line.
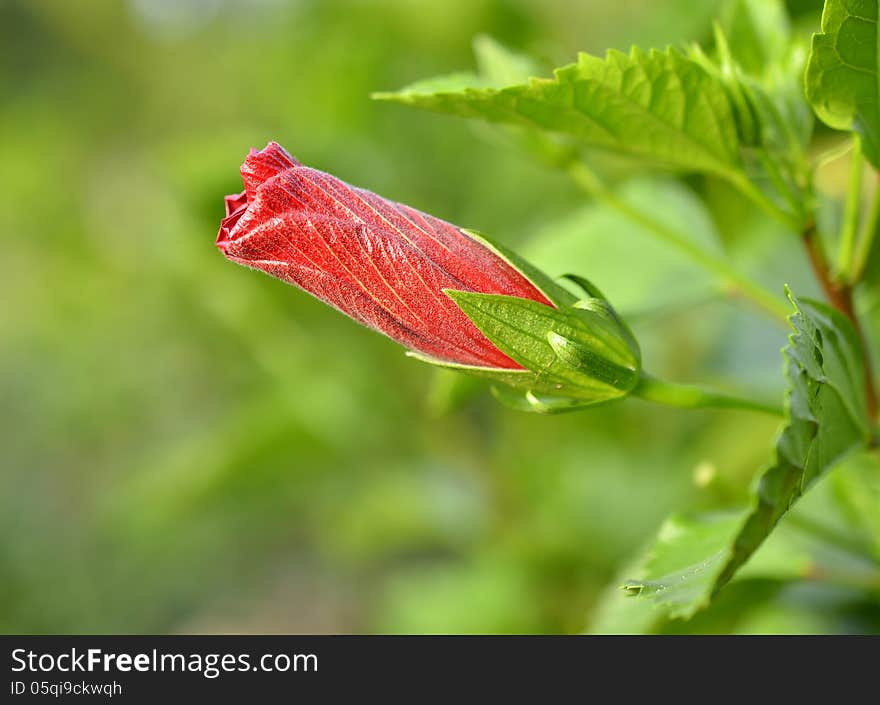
842 71
826 419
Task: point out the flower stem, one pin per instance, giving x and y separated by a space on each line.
737 281
688 396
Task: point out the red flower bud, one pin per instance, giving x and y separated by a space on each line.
383 264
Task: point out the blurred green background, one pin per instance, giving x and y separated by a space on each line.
188 446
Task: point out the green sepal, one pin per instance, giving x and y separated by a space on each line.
598 303
573 353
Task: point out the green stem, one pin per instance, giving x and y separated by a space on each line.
866 239
851 214
748 289
688 396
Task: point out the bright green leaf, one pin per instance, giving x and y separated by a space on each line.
448 83
842 72
826 420
783 559
686 561
498 67
659 106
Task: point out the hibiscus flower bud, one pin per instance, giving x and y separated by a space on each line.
449 295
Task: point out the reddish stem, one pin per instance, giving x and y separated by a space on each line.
840 296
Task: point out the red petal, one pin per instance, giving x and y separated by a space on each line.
263 165
234 201
382 263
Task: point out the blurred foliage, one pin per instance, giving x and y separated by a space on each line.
189 447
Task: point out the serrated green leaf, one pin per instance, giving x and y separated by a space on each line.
769 106
499 66
573 353
825 420
842 72
784 558
685 562
784 121
659 106
774 121
449 83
